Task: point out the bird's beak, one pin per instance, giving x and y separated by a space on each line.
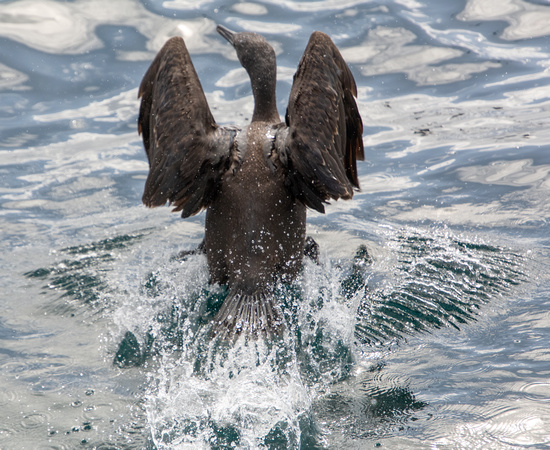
226 33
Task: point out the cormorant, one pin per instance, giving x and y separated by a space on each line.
255 182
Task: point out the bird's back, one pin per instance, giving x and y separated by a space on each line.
254 228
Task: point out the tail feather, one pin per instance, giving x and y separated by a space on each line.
254 313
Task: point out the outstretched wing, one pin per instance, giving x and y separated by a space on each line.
187 151
325 129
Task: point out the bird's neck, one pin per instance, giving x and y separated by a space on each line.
265 101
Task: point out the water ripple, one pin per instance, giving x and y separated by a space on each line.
34 420
537 391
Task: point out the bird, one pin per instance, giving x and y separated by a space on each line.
255 181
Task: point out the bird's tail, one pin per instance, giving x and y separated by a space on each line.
253 313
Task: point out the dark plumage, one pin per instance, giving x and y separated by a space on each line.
254 182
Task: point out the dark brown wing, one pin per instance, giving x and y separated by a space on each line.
187 151
325 129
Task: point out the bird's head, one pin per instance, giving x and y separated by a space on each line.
253 51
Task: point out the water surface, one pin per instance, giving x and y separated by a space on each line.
425 325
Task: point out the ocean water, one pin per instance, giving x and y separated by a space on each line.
426 323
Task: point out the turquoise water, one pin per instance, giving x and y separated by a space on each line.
426 324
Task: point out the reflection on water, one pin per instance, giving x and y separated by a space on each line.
445 280
426 322
71 28
526 20
390 50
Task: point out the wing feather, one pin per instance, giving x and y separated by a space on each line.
187 151
325 129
